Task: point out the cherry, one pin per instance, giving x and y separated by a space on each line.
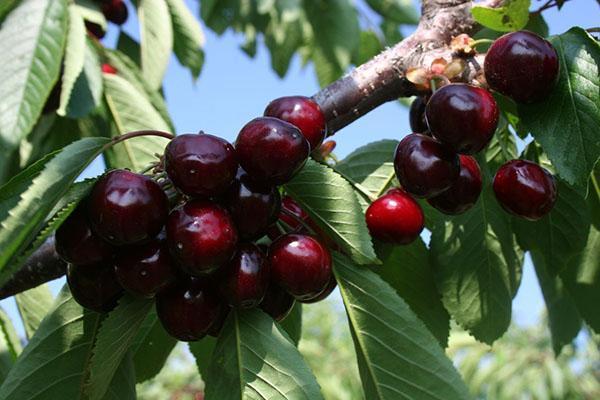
201 165
94 287
253 206
145 269
463 117
304 113
395 217
95 30
271 150
188 309
301 265
245 279
115 11
108 69
325 293
416 115
277 302
201 236
127 208
217 326
463 194
522 65
425 167
76 243
525 189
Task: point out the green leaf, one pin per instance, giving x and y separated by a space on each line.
6 358
130 48
6 6
292 324
9 335
254 358
32 38
400 11
90 11
74 56
409 272
131 111
156 33
569 117
513 16
203 351
502 148
33 306
331 202
114 338
327 70
188 39
29 197
284 34
398 357
369 46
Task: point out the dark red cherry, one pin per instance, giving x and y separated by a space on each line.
463 117
94 287
277 302
108 69
95 30
127 208
395 217
325 293
77 244
245 279
463 194
525 189
300 264
201 165
201 236
304 113
217 326
416 115
115 11
271 150
522 65
188 309
424 166
253 206
145 269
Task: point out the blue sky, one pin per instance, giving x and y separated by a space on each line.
234 88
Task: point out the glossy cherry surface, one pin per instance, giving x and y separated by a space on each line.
201 236
522 65
424 166
416 115
94 287
201 165
126 208
244 281
395 217
325 293
271 150
277 302
463 117
304 113
253 206
300 264
115 11
188 310
525 189
463 193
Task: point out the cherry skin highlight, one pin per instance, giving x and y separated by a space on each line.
277 302
425 167
463 194
522 66
201 236
94 287
201 165
304 113
245 279
127 208
525 189
416 115
395 218
463 117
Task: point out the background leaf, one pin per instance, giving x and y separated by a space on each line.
33 305
513 16
400 11
292 324
203 351
74 56
156 33
9 335
188 39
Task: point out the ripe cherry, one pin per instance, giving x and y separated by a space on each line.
201 165
277 302
253 206
201 236
424 166
416 115
77 244
522 65
463 194
95 30
525 189
395 217
301 265
145 269
217 326
463 117
94 287
271 150
115 11
244 281
127 208
304 113
189 309
108 69
325 293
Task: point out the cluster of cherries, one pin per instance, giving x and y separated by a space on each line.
114 11
192 235
457 121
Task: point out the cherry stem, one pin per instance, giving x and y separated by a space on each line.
482 41
134 134
433 82
298 219
366 193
